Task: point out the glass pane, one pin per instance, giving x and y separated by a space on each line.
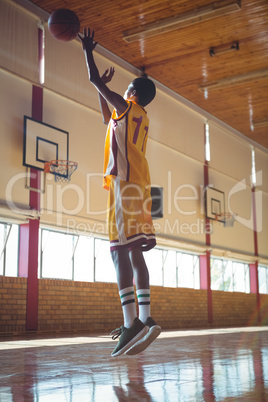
185 270
57 252
12 252
228 276
239 277
104 268
153 259
247 280
84 259
169 265
216 274
263 279
196 272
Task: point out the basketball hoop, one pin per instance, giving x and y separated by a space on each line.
61 169
227 218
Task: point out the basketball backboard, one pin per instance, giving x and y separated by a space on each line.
43 143
214 203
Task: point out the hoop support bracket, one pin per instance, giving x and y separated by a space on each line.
28 186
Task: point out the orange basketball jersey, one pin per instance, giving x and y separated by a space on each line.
125 147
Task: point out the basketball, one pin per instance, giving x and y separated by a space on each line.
64 24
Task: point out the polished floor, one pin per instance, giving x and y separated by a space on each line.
201 365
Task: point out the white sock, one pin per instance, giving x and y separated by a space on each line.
143 296
127 297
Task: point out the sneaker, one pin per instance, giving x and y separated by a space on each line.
128 336
142 344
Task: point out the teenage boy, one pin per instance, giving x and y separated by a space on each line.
127 177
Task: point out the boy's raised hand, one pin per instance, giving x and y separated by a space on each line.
116 100
107 75
88 40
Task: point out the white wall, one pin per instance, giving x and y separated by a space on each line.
16 101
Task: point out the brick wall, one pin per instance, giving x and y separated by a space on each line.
234 309
176 308
13 293
95 307
264 309
69 305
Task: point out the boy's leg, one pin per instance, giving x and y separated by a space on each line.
124 276
141 276
140 270
133 329
123 268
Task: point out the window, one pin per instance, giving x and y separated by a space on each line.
253 168
263 279
207 144
170 274
57 251
153 259
66 256
9 241
240 277
84 259
229 276
188 270
173 268
87 259
216 272
104 269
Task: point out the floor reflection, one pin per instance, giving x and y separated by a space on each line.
208 366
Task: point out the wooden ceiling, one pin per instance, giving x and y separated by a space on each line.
181 58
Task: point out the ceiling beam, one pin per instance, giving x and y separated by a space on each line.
260 124
234 80
215 9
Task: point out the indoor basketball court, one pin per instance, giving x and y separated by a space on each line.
207 152
201 365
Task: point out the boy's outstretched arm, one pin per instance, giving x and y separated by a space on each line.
106 113
116 100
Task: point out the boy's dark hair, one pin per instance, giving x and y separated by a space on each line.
145 89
